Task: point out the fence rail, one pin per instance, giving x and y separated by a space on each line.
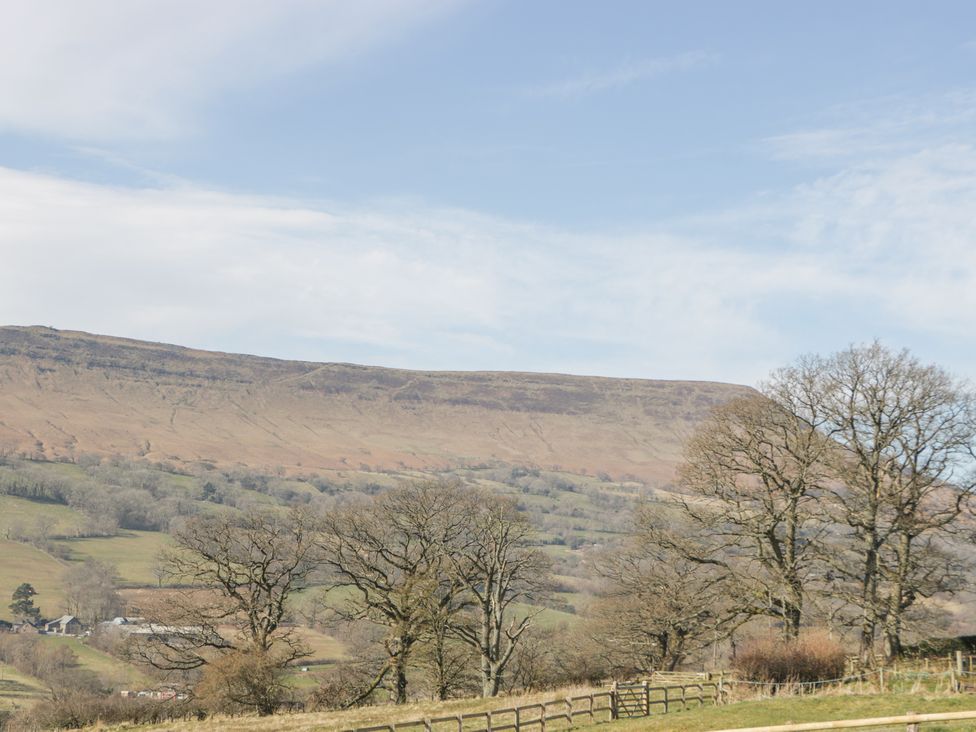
621 700
912 722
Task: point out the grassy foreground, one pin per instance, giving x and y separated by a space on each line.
785 710
797 709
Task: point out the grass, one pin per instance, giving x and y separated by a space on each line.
792 709
24 563
546 617
798 709
18 690
367 716
26 515
132 552
113 670
324 647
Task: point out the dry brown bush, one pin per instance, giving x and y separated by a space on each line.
82 709
814 656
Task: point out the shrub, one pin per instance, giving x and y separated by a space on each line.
82 709
812 657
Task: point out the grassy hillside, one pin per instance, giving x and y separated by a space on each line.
64 393
23 563
133 553
18 690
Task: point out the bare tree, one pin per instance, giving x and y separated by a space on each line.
241 572
903 474
499 568
392 553
90 591
659 607
752 473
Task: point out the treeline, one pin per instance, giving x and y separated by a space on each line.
117 494
839 496
434 576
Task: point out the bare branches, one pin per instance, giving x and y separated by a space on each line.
753 473
241 571
498 568
392 552
903 471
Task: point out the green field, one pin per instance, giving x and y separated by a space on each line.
22 563
132 552
114 671
17 690
18 515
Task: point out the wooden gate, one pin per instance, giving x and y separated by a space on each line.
632 700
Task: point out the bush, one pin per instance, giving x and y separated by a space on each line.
812 657
81 709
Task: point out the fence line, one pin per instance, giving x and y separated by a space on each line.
911 721
621 700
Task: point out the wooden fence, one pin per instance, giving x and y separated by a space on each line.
621 700
912 722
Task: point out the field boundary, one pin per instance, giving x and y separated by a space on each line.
619 701
911 721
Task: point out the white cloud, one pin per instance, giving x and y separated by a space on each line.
888 244
103 70
623 75
427 289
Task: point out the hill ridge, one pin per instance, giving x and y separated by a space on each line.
63 393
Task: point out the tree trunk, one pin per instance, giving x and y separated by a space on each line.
792 617
399 680
869 600
490 681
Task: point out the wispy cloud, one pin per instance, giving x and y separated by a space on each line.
104 70
626 74
879 127
869 250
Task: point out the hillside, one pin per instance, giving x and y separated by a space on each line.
64 393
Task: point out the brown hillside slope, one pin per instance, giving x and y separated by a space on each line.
65 393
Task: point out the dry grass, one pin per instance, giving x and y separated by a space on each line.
368 716
18 690
94 394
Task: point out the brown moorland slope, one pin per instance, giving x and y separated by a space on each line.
65 393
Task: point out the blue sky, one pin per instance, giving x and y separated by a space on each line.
686 190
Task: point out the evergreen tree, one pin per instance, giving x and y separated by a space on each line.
23 603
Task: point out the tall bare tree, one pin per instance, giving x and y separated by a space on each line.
499 568
392 553
902 475
752 473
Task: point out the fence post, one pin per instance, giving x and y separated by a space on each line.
488 718
613 702
667 699
426 724
912 726
460 723
542 717
518 719
647 698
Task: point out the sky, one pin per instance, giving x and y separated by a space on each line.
693 190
